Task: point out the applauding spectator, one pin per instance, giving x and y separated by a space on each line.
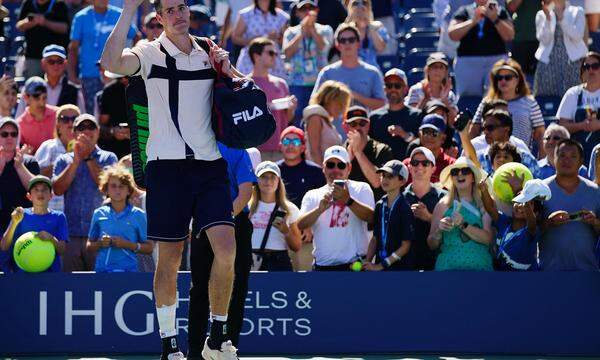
460 227
363 79
366 154
560 28
373 35
578 110
44 22
392 223
37 123
571 216
553 135
118 229
263 19
509 84
338 214
483 29
422 196
77 175
525 43
329 103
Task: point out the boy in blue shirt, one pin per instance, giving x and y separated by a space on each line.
118 229
517 237
51 225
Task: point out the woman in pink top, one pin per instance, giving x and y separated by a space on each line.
327 104
37 123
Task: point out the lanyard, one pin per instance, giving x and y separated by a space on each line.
385 220
37 9
306 43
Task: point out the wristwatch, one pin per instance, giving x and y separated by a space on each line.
350 201
464 226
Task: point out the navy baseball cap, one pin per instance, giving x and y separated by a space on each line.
433 121
394 168
54 50
35 85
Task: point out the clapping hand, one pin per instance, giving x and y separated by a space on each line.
17 215
446 224
105 241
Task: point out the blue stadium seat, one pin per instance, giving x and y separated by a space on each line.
419 21
3 47
409 4
416 58
17 43
548 104
387 62
595 41
414 76
469 102
421 40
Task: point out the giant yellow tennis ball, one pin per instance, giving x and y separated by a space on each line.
33 254
356 266
502 189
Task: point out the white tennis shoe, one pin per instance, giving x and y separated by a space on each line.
227 352
176 356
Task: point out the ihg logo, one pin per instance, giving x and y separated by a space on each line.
246 116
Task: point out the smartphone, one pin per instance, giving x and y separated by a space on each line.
576 216
341 183
9 70
123 125
280 214
462 120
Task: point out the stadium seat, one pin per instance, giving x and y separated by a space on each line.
419 21
409 4
469 102
416 58
17 43
387 62
595 36
548 104
414 75
420 40
3 46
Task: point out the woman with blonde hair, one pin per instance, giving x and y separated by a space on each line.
330 102
273 219
373 34
460 227
507 82
118 229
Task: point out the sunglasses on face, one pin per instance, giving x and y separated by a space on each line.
429 132
6 134
271 53
416 163
355 124
295 142
508 77
330 165
555 138
55 62
490 128
154 26
594 66
463 171
66 119
84 127
39 95
349 40
397 86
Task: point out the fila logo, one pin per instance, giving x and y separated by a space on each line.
246 116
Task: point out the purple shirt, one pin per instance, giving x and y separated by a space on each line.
274 88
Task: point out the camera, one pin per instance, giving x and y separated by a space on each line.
462 120
341 183
280 214
123 125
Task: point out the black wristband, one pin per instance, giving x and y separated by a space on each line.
350 202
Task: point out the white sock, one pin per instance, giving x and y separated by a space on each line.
166 320
222 318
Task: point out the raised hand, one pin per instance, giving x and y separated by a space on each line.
17 215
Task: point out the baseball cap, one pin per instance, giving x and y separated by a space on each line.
267 166
433 121
35 85
431 105
395 168
396 72
54 50
437 57
39 179
292 130
8 120
200 12
304 3
149 17
84 117
534 188
356 113
338 152
425 151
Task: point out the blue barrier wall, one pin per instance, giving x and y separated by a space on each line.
317 313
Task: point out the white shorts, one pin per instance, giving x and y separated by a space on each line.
592 6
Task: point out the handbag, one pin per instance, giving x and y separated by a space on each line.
257 257
241 117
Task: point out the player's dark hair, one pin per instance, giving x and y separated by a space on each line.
158 4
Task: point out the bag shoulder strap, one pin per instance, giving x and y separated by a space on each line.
204 43
268 229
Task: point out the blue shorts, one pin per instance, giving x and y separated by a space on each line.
178 191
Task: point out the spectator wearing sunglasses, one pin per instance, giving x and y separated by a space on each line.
51 149
461 229
432 135
508 83
16 169
422 197
393 231
553 135
76 176
363 79
37 123
560 29
366 154
578 110
373 34
338 214
395 124
59 89
299 176
263 53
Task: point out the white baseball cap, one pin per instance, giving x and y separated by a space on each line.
338 152
533 189
425 151
267 166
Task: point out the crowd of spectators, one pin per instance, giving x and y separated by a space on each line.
367 163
